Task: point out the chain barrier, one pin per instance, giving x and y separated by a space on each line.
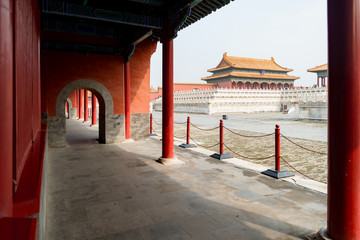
156 122
241 135
310 150
250 158
203 129
307 176
204 145
179 137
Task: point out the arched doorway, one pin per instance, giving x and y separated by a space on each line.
286 85
247 85
111 127
256 85
240 85
272 86
279 86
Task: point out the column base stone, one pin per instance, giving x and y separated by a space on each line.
322 234
170 161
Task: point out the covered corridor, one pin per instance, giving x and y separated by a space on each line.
119 191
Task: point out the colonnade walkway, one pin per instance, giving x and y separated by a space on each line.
119 191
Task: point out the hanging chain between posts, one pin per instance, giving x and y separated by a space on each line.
180 137
156 122
204 145
203 129
307 176
248 136
310 150
250 158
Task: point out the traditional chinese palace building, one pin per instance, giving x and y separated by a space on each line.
322 74
250 73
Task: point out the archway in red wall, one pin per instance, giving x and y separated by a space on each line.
107 133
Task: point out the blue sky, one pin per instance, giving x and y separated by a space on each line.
294 32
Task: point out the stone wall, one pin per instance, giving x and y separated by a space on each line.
307 103
140 125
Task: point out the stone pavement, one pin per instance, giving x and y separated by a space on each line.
290 125
119 191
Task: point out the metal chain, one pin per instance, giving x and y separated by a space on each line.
300 172
156 122
203 129
204 145
303 147
241 135
250 158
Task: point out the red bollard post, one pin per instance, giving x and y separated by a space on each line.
277 148
187 144
221 155
151 125
188 131
277 172
221 137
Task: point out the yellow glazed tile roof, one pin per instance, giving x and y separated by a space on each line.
252 75
249 63
323 67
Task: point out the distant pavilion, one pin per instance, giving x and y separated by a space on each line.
322 74
250 73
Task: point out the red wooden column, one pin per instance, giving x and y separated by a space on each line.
317 82
77 103
344 119
81 94
93 110
86 107
7 107
168 99
127 97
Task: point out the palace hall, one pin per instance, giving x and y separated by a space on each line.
250 73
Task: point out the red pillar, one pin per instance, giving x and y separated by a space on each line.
81 98
77 103
7 107
127 98
168 99
93 110
344 120
86 107
317 82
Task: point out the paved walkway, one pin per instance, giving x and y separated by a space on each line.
119 191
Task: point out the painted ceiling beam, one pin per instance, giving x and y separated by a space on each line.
149 2
80 11
67 26
82 48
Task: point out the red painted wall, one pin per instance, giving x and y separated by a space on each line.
6 109
64 67
224 84
27 80
20 138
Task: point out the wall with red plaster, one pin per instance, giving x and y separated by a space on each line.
61 68
20 139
